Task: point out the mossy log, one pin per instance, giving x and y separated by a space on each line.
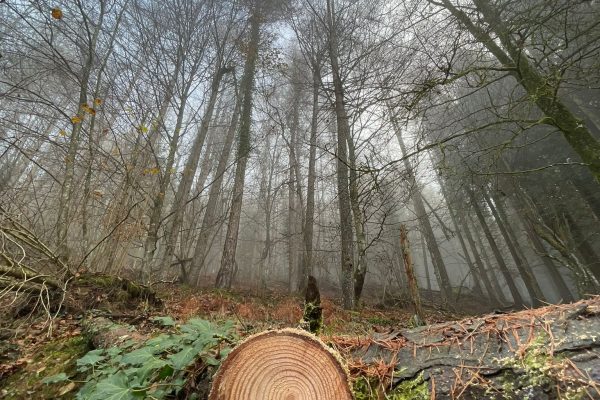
288 364
547 353
132 289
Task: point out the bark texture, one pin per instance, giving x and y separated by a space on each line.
535 353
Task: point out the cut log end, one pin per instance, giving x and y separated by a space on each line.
287 364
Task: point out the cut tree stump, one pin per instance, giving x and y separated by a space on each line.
287 364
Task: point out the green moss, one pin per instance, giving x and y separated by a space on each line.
365 389
313 317
410 389
53 358
537 370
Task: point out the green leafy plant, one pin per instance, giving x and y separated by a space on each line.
155 369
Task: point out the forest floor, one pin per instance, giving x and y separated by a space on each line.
36 352
32 347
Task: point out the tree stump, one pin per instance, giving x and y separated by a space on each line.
287 364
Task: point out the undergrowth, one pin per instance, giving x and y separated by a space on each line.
156 369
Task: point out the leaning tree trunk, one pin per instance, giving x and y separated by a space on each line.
437 260
164 182
514 291
209 220
533 288
495 294
489 269
475 266
191 164
516 60
557 278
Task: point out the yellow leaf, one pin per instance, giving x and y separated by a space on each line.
75 119
62 132
98 102
143 128
57 13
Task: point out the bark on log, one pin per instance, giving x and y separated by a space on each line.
547 353
288 364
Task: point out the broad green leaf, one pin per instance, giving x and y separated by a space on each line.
86 390
162 342
56 378
165 372
164 321
138 356
150 367
113 351
91 358
226 327
115 387
196 325
183 358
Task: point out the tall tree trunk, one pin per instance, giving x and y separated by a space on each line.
583 245
93 139
488 266
191 164
535 293
359 224
296 206
266 197
159 198
291 227
209 220
343 132
437 260
500 208
494 293
561 287
514 291
426 265
226 272
311 179
66 191
476 270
